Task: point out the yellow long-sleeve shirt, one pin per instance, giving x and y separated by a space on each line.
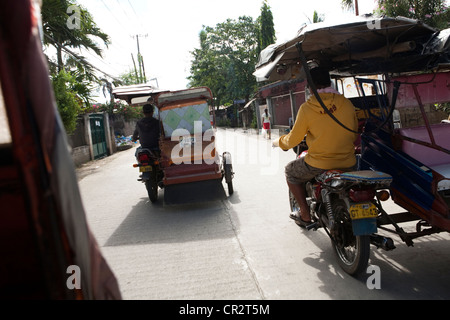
330 146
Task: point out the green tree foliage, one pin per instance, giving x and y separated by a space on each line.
266 27
116 108
226 60
70 67
349 4
69 105
317 17
57 33
434 13
129 78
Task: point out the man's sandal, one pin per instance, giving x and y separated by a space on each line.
298 219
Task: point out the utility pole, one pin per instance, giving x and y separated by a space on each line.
140 59
135 70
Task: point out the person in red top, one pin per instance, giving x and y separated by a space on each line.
266 122
330 146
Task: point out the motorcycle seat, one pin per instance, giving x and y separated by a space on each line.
367 176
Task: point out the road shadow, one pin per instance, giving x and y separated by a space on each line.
418 272
159 223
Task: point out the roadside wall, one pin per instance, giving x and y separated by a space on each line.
80 140
121 126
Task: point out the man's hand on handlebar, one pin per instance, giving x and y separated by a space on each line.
275 143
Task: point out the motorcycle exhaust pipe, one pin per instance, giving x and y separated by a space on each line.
384 243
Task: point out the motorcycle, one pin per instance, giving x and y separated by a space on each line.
151 173
346 205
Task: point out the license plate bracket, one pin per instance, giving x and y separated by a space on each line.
363 211
365 226
145 169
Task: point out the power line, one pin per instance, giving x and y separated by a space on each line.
139 19
80 59
113 14
124 10
102 61
132 8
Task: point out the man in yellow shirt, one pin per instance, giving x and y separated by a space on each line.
330 146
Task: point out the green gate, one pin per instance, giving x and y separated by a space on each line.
98 135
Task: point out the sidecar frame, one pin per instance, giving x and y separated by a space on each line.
418 157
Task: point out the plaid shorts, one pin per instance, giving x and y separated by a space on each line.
299 172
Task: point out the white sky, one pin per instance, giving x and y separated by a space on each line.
168 30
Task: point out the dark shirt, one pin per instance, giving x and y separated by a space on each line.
147 131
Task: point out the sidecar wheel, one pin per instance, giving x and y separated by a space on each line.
228 172
229 178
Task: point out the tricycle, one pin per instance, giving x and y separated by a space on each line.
187 166
395 71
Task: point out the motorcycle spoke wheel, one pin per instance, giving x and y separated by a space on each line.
352 251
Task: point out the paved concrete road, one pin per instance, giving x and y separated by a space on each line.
244 247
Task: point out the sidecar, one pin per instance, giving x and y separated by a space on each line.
193 168
414 147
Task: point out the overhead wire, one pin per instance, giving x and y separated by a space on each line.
138 19
103 61
122 9
114 15
83 59
80 59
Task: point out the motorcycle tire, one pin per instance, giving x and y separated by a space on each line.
229 177
352 251
152 188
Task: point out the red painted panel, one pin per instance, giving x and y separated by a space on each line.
432 89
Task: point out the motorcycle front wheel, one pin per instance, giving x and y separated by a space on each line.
352 251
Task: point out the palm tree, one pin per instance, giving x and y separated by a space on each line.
348 4
58 35
72 77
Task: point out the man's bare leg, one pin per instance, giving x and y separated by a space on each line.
299 192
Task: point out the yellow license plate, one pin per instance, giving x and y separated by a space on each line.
145 168
363 210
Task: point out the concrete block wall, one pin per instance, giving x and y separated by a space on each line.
81 155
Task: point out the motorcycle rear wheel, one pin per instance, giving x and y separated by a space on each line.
152 187
352 251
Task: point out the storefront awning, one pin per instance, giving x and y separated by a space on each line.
263 72
247 105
